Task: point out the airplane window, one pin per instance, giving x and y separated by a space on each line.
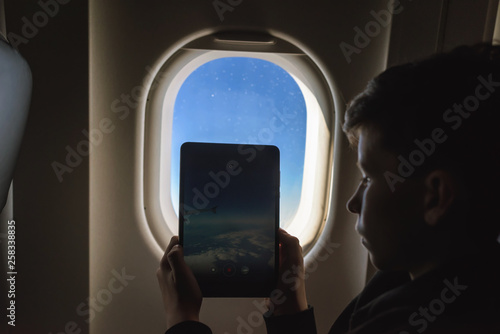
244 100
249 91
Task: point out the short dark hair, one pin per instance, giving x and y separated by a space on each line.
457 92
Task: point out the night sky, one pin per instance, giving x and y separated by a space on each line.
247 101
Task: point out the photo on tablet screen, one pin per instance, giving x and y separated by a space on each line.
229 216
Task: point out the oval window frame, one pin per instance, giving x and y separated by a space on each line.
312 212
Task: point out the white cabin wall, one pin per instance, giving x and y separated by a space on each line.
466 25
52 217
496 30
435 26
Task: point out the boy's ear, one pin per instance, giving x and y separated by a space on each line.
441 191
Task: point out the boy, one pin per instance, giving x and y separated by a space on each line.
427 206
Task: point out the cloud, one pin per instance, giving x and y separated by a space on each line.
236 247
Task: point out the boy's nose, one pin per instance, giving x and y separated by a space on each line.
354 203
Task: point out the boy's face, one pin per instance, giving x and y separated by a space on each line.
390 224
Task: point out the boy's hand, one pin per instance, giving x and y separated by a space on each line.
291 278
180 291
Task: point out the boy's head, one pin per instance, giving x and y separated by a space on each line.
428 143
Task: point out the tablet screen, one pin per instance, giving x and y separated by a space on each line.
229 217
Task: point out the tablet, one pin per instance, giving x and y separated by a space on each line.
229 217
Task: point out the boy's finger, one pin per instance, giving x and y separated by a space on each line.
176 260
164 263
173 241
287 240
